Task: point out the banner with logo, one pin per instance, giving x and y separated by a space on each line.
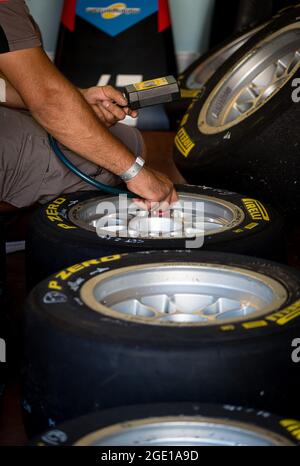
105 42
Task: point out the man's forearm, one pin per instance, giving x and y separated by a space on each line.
62 111
66 115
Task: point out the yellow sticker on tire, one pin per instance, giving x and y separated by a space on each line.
184 143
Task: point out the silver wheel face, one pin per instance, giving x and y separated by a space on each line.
206 70
252 82
194 215
183 431
181 294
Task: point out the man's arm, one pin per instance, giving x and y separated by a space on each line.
59 107
101 99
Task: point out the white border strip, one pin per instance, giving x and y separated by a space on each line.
2 90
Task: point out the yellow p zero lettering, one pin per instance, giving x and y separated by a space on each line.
286 315
291 426
76 268
112 258
256 210
87 264
59 201
54 286
53 218
66 227
184 143
66 274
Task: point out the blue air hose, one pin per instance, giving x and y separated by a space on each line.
91 181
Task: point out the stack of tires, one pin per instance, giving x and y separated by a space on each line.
146 321
143 329
241 132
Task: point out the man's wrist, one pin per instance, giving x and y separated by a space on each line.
133 171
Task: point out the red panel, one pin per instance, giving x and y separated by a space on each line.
164 18
69 14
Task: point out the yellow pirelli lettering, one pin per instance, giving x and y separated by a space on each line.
286 315
184 143
238 231
291 426
191 106
189 93
256 210
228 328
185 119
251 226
257 324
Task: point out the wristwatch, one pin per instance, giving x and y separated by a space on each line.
134 170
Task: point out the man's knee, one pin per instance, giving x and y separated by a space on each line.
131 138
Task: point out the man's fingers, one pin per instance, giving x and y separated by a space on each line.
114 95
144 205
108 118
174 197
115 110
131 113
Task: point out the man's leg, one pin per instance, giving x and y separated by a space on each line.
30 171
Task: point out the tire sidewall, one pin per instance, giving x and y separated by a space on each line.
70 433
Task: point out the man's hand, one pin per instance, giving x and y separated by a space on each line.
156 191
108 103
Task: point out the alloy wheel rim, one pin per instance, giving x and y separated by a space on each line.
186 294
252 82
183 431
193 216
201 75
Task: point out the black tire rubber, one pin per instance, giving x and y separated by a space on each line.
261 150
71 433
54 242
79 360
253 12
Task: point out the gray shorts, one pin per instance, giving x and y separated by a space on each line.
30 172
